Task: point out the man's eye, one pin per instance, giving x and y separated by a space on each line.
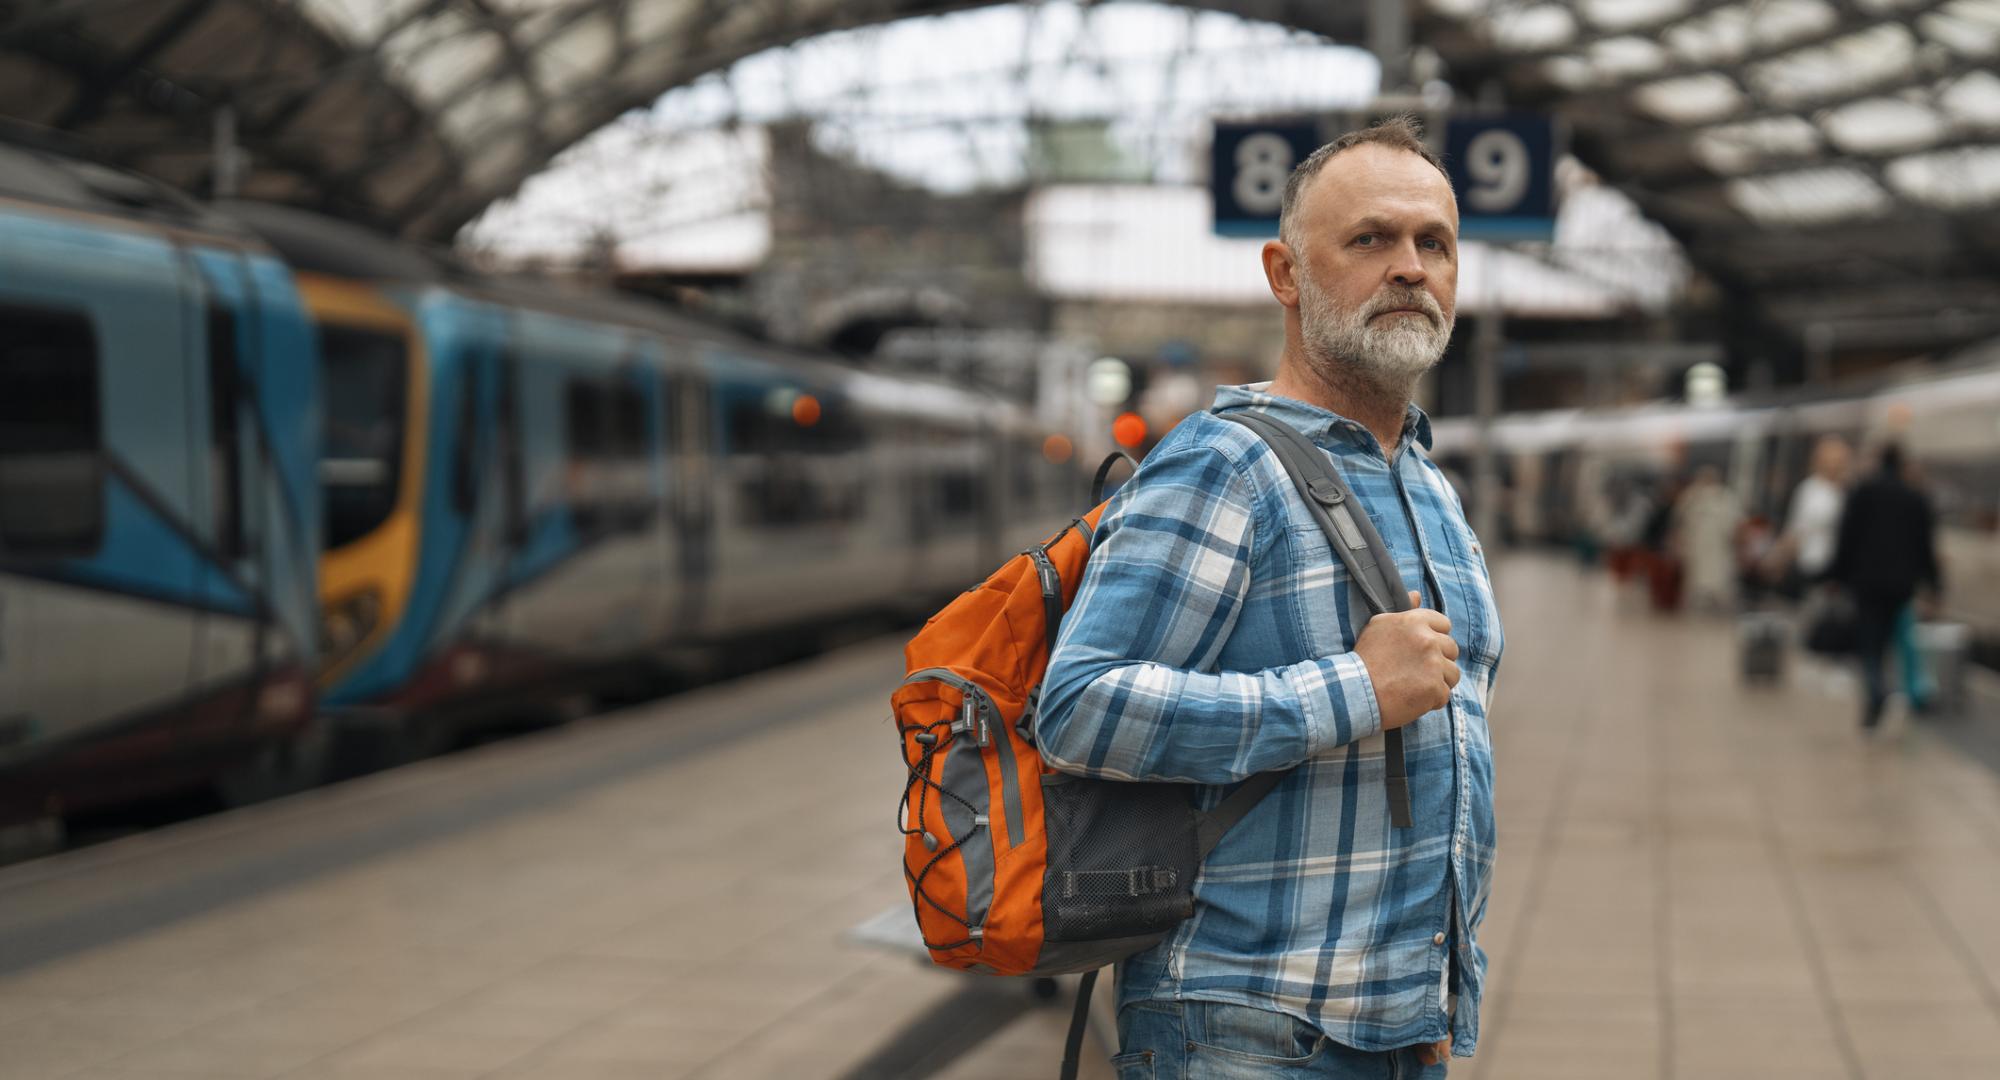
1434 244
1366 239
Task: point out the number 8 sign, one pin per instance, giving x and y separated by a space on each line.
1502 168
1249 166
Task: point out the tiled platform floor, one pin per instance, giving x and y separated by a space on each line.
1696 881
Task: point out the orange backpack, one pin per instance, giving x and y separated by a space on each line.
1015 868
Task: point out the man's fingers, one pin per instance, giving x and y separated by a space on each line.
1452 675
1416 599
1435 1053
1449 647
1437 621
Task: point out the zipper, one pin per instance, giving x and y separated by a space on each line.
979 717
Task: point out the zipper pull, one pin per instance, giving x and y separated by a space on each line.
973 720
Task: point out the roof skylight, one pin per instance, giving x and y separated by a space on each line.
1818 196
1876 125
1815 74
1739 148
1618 15
1692 99
1973 99
1949 179
1542 27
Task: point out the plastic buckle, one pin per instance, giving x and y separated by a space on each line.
1325 491
1137 884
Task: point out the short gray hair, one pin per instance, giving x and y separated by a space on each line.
1399 132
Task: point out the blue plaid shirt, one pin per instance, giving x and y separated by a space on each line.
1212 639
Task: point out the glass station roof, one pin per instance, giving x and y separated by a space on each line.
1801 150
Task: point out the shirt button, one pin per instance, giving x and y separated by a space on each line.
1438 938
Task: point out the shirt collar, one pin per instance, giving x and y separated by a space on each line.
1313 421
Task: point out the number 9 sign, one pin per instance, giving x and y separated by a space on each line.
1501 167
1497 161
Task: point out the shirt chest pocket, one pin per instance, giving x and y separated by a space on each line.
1326 612
1473 590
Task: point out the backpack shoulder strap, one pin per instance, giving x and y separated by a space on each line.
1354 538
1331 503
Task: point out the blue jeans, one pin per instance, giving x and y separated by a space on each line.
1205 1040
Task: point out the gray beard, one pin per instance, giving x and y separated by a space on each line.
1382 363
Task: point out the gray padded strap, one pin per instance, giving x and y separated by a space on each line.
1208 831
1331 503
1354 538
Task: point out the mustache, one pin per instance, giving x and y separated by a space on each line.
1397 298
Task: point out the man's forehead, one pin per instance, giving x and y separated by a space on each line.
1371 180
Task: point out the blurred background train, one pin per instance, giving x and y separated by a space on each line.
1565 476
264 476
260 470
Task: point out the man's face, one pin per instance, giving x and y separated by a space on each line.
1378 276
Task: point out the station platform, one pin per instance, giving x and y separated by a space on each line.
1697 879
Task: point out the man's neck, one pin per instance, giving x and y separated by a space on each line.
1382 410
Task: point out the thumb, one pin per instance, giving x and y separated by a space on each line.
1416 599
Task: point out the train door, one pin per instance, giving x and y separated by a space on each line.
688 541
580 592
490 482
610 425
230 640
98 568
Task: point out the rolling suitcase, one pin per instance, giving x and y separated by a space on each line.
1761 646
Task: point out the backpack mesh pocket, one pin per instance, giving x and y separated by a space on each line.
1122 858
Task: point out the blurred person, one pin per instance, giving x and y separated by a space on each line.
1625 531
1703 532
1663 563
1812 522
1214 637
1918 685
1885 549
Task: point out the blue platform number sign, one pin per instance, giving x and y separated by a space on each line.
1503 169
1249 164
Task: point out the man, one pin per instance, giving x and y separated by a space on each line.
1216 635
1813 520
1704 531
1885 550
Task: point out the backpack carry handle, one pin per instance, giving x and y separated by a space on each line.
1104 473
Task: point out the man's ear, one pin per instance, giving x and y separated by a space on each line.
1281 272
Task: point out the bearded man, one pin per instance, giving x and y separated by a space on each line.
1216 636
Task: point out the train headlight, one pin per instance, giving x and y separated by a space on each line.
347 623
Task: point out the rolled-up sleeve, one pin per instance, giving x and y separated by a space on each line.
1132 691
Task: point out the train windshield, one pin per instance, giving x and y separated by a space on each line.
365 374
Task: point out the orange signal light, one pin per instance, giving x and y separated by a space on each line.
805 410
1129 430
1057 449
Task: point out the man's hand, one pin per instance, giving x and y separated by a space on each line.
1411 659
1435 1053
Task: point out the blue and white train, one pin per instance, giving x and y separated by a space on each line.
257 466
159 507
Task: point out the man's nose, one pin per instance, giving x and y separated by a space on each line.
1407 268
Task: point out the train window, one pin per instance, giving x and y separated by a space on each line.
225 459
584 438
1965 492
627 413
366 379
51 459
464 453
507 436
610 483
786 448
